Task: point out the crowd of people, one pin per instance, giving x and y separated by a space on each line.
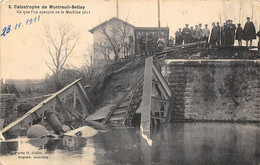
224 35
219 35
151 44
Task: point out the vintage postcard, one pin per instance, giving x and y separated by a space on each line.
120 82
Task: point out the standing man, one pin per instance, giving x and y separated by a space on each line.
223 34
214 35
197 33
186 34
191 36
160 44
233 31
218 31
200 28
150 45
205 33
249 32
239 34
178 37
142 45
230 33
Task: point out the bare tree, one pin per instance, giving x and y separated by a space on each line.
104 49
252 5
115 34
59 48
224 12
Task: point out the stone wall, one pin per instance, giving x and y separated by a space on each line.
214 90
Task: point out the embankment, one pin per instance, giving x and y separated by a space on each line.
214 90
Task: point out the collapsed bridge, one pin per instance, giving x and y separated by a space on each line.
167 89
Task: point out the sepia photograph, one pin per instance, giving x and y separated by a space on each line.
130 82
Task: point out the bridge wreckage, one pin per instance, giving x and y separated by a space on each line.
69 108
147 101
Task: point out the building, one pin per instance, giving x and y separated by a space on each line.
116 36
111 37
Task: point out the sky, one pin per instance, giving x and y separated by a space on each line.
22 51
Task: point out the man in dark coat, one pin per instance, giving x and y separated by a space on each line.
233 30
186 34
239 34
229 33
218 31
223 29
214 35
178 37
142 44
150 44
249 32
191 36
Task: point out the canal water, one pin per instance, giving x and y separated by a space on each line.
175 143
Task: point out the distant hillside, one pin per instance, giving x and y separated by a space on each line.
23 84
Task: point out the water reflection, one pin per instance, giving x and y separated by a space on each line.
175 143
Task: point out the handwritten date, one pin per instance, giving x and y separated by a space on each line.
19 25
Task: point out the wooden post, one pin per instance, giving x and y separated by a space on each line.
159 19
75 99
146 99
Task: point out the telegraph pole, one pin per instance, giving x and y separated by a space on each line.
159 23
117 13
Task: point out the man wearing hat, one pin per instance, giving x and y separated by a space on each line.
186 34
214 35
233 30
197 33
200 28
191 35
239 34
142 44
230 33
218 31
205 33
223 29
178 37
249 32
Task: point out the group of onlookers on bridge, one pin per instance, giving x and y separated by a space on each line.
224 35
219 35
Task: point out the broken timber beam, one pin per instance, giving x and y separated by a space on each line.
168 50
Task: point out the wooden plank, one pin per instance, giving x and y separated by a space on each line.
121 101
145 107
100 114
157 117
63 108
161 88
85 95
160 99
131 100
75 99
119 112
86 108
180 47
162 80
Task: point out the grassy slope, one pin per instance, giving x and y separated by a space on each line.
114 81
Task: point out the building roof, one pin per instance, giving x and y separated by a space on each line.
150 28
114 18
